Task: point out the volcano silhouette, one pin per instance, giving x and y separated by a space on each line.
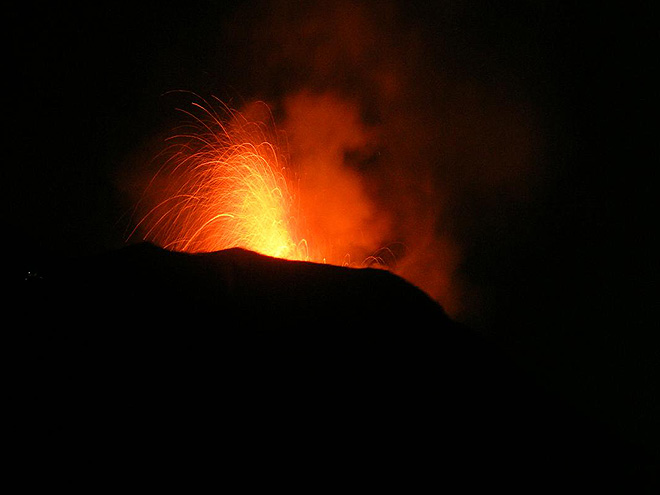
154 369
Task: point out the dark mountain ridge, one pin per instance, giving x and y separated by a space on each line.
143 366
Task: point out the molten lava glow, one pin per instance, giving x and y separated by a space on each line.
226 185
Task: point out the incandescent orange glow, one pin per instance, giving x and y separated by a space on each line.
226 185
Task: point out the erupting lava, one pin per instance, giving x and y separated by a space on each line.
226 185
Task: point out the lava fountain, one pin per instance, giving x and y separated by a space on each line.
225 183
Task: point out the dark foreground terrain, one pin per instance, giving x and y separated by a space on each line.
148 369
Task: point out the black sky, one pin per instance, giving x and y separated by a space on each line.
567 273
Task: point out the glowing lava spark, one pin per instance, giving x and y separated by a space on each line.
227 185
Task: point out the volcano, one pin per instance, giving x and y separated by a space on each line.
148 368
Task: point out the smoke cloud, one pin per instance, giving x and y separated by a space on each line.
338 211
402 143
407 143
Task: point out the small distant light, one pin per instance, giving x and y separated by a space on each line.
30 275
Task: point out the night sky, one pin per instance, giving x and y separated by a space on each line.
556 247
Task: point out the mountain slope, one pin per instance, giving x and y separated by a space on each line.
147 367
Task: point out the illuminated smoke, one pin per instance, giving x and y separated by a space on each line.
335 203
437 152
390 146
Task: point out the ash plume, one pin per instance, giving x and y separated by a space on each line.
406 149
